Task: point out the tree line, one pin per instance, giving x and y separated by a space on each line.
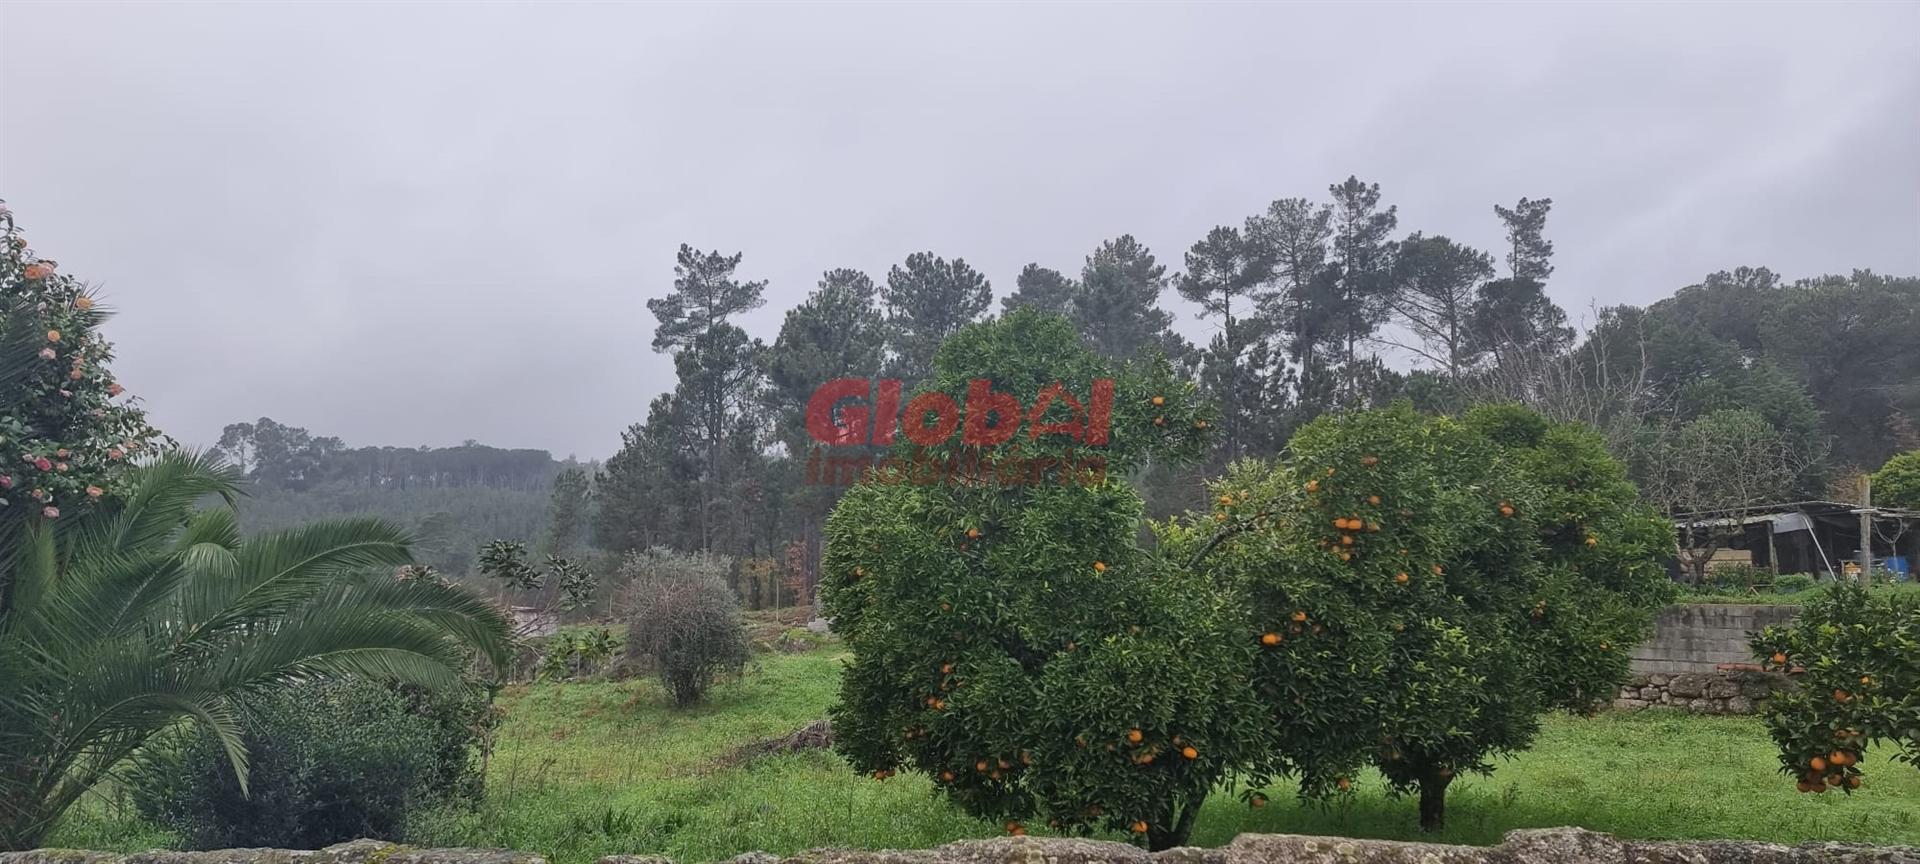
1307 301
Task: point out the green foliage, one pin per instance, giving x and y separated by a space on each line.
1793 583
1421 589
333 759
150 613
567 584
928 299
1897 483
1011 641
572 654
1860 651
66 436
682 616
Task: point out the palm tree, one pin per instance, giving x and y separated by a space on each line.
153 612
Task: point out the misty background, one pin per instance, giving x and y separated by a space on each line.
418 224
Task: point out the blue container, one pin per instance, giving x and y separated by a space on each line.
1899 567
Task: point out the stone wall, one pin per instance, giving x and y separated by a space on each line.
1701 637
1730 691
1548 846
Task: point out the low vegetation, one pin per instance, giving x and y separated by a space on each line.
584 770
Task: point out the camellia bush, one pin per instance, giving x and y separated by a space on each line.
1010 638
66 433
1859 652
1420 590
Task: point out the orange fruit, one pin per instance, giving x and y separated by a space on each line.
1344 784
1853 781
1841 696
1134 736
1270 639
1374 500
1139 827
1329 472
1159 421
1593 541
1346 556
1866 680
1313 485
1438 570
1401 577
1817 764
1258 801
946 668
1159 400
1299 616
1099 566
980 766
1370 461
946 776
1199 424
1837 758
1189 752
1346 539
973 533
1226 500
1779 658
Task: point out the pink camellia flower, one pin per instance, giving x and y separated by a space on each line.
75 375
39 270
62 453
115 453
53 335
83 303
47 354
95 491
43 463
50 512
6 481
62 467
66 394
39 494
115 389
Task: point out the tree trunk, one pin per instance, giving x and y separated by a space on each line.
1159 840
1433 800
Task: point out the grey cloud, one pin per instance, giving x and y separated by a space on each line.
421 223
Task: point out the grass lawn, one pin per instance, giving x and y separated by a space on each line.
584 770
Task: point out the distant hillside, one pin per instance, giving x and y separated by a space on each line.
453 498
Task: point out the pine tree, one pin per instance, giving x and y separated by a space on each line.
1436 280
1117 310
1362 292
1225 277
929 298
1041 289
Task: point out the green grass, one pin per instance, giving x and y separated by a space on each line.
584 770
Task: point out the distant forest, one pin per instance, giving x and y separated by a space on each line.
453 498
1740 388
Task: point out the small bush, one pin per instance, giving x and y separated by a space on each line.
683 617
330 760
1793 583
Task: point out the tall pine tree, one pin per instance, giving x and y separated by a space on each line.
927 299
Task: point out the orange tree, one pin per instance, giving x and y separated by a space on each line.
1860 652
1010 638
1419 590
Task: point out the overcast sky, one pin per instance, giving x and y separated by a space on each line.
417 224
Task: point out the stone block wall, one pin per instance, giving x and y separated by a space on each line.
1544 846
1701 637
1717 692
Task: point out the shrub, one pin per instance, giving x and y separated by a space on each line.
331 760
683 617
1793 583
1861 687
1011 640
1897 483
1421 589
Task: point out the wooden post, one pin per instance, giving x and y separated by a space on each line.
1866 529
